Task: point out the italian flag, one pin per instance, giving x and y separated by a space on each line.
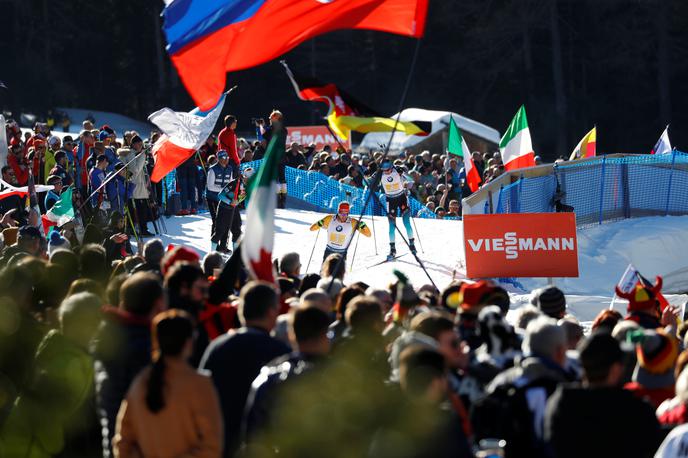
61 213
457 145
516 146
587 147
256 248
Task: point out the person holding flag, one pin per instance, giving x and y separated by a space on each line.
394 185
220 181
646 304
340 228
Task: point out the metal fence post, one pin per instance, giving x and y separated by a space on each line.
604 162
671 177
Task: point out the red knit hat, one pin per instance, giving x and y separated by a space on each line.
344 207
178 254
642 297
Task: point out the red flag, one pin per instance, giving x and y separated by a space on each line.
220 36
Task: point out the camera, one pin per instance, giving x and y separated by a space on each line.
257 121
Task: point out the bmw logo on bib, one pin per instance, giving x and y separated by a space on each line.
390 179
339 228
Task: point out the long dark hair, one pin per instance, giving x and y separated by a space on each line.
170 331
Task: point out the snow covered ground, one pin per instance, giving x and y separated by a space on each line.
655 245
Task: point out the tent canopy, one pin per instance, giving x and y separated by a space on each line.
439 120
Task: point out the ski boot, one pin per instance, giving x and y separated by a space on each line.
412 247
392 252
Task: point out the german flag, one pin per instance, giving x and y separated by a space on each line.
346 113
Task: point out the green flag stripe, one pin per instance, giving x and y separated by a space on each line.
454 143
519 123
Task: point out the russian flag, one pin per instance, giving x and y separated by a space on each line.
183 135
208 38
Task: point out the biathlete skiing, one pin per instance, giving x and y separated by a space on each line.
394 185
340 228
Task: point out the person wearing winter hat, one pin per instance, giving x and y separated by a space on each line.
57 242
178 253
587 420
653 377
643 305
340 229
472 298
551 301
54 145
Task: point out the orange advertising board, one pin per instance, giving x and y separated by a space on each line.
521 245
320 135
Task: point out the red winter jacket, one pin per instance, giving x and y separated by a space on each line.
22 174
228 142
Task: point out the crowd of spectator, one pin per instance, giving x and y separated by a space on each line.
167 354
104 351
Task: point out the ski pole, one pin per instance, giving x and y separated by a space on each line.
312 251
358 233
372 217
417 235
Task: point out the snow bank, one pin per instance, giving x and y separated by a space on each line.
654 245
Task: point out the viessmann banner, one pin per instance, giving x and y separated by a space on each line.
320 135
521 245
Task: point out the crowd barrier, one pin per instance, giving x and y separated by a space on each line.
323 192
605 189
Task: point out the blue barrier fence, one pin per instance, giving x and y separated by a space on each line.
607 189
324 192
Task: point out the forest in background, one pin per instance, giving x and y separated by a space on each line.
617 64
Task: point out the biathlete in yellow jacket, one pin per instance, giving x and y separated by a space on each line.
340 228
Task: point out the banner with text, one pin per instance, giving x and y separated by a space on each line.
521 245
320 135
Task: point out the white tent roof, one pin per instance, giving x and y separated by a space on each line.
439 120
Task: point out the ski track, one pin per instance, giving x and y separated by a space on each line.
655 245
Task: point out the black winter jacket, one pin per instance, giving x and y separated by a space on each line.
122 348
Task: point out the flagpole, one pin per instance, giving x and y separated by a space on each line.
378 176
